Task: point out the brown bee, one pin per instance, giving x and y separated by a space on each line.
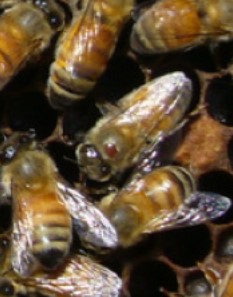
43 209
117 140
164 199
79 277
220 278
170 25
85 49
25 31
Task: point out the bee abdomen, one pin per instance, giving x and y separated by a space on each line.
171 185
51 244
163 27
68 84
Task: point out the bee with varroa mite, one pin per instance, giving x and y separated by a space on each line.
116 141
26 29
44 207
169 25
79 276
85 49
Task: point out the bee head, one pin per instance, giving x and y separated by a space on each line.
11 146
91 163
53 12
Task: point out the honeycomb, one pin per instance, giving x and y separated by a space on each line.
190 261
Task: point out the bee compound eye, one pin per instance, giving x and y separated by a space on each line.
86 153
55 16
4 242
7 154
55 20
91 162
111 150
6 288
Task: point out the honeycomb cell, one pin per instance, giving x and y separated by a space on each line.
218 181
219 98
184 247
230 152
149 278
224 245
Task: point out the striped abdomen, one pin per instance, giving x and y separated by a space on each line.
164 189
167 187
42 231
52 231
167 26
24 32
85 50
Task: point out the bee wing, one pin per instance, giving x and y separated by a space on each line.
82 277
93 228
160 152
198 208
21 240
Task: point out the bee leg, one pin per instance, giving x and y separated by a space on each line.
106 108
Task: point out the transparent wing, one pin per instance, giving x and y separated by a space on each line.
93 228
198 208
23 261
82 277
160 152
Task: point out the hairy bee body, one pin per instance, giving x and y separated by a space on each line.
79 277
120 136
170 25
25 32
42 226
85 50
45 209
139 202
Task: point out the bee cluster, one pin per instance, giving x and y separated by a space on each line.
117 148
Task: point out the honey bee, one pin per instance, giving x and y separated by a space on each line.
170 25
43 209
164 199
79 277
220 277
117 140
85 49
25 31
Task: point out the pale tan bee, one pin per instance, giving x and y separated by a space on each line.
117 140
170 25
78 277
164 199
220 277
85 49
26 29
44 207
